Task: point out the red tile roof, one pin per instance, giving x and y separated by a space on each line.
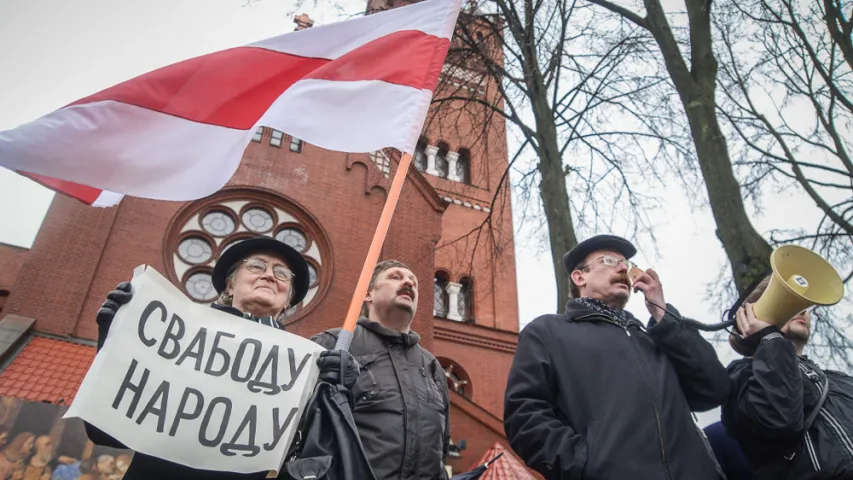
47 369
508 467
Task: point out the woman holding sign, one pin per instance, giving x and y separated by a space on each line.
257 280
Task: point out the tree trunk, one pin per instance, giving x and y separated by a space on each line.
555 201
552 187
746 249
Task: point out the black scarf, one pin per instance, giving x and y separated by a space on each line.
598 306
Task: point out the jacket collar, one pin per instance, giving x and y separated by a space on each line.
268 321
408 339
575 310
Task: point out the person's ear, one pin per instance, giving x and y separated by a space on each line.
578 278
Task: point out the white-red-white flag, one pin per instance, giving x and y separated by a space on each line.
178 133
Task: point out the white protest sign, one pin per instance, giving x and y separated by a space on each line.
190 384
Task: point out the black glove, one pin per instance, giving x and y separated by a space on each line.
332 369
115 299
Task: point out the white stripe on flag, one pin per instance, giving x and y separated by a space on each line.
310 109
433 17
119 147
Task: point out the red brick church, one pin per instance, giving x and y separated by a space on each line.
325 204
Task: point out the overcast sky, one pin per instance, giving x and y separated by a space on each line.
54 52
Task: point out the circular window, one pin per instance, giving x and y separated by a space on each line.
293 237
234 215
218 224
195 250
257 220
200 286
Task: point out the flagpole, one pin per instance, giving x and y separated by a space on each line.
345 337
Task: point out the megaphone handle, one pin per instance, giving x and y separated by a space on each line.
746 293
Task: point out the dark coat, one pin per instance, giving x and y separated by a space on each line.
728 452
146 467
772 394
590 397
401 402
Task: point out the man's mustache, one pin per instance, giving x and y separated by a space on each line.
621 278
407 290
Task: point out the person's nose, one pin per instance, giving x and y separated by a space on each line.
268 274
621 267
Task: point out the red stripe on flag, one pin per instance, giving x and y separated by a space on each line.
233 88
84 193
406 60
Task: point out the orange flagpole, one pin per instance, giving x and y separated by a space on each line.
345 336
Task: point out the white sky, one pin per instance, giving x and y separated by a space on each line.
54 52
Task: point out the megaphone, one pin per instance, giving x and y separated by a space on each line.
801 279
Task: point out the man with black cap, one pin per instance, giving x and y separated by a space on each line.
595 394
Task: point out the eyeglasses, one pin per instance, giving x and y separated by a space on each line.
258 266
610 261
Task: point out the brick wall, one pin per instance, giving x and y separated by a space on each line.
11 260
485 355
57 273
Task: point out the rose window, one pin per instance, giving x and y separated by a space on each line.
206 228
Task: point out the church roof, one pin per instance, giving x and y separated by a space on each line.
508 467
47 370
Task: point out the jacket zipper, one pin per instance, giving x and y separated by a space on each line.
648 383
406 446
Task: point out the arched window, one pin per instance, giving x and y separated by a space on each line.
463 166
457 380
465 300
440 294
206 228
420 158
441 159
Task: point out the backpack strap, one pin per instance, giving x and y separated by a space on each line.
814 376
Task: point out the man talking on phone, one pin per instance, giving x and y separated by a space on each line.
594 393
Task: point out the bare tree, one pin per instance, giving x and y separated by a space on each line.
787 78
541 67
694 78
789 101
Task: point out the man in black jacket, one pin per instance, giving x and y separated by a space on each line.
776 392
594 394
401 401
